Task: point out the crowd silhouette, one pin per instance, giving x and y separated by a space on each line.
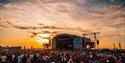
60 56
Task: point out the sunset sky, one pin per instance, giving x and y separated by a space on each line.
19 19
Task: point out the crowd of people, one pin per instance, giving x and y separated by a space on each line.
60 56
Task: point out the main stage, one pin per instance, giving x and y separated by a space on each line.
71 42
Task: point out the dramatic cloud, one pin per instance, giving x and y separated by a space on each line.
70 16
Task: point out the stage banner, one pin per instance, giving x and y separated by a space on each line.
77 43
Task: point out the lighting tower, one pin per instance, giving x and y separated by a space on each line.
95 37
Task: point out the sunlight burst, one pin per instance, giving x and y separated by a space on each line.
43 38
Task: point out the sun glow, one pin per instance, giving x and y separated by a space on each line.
43 38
